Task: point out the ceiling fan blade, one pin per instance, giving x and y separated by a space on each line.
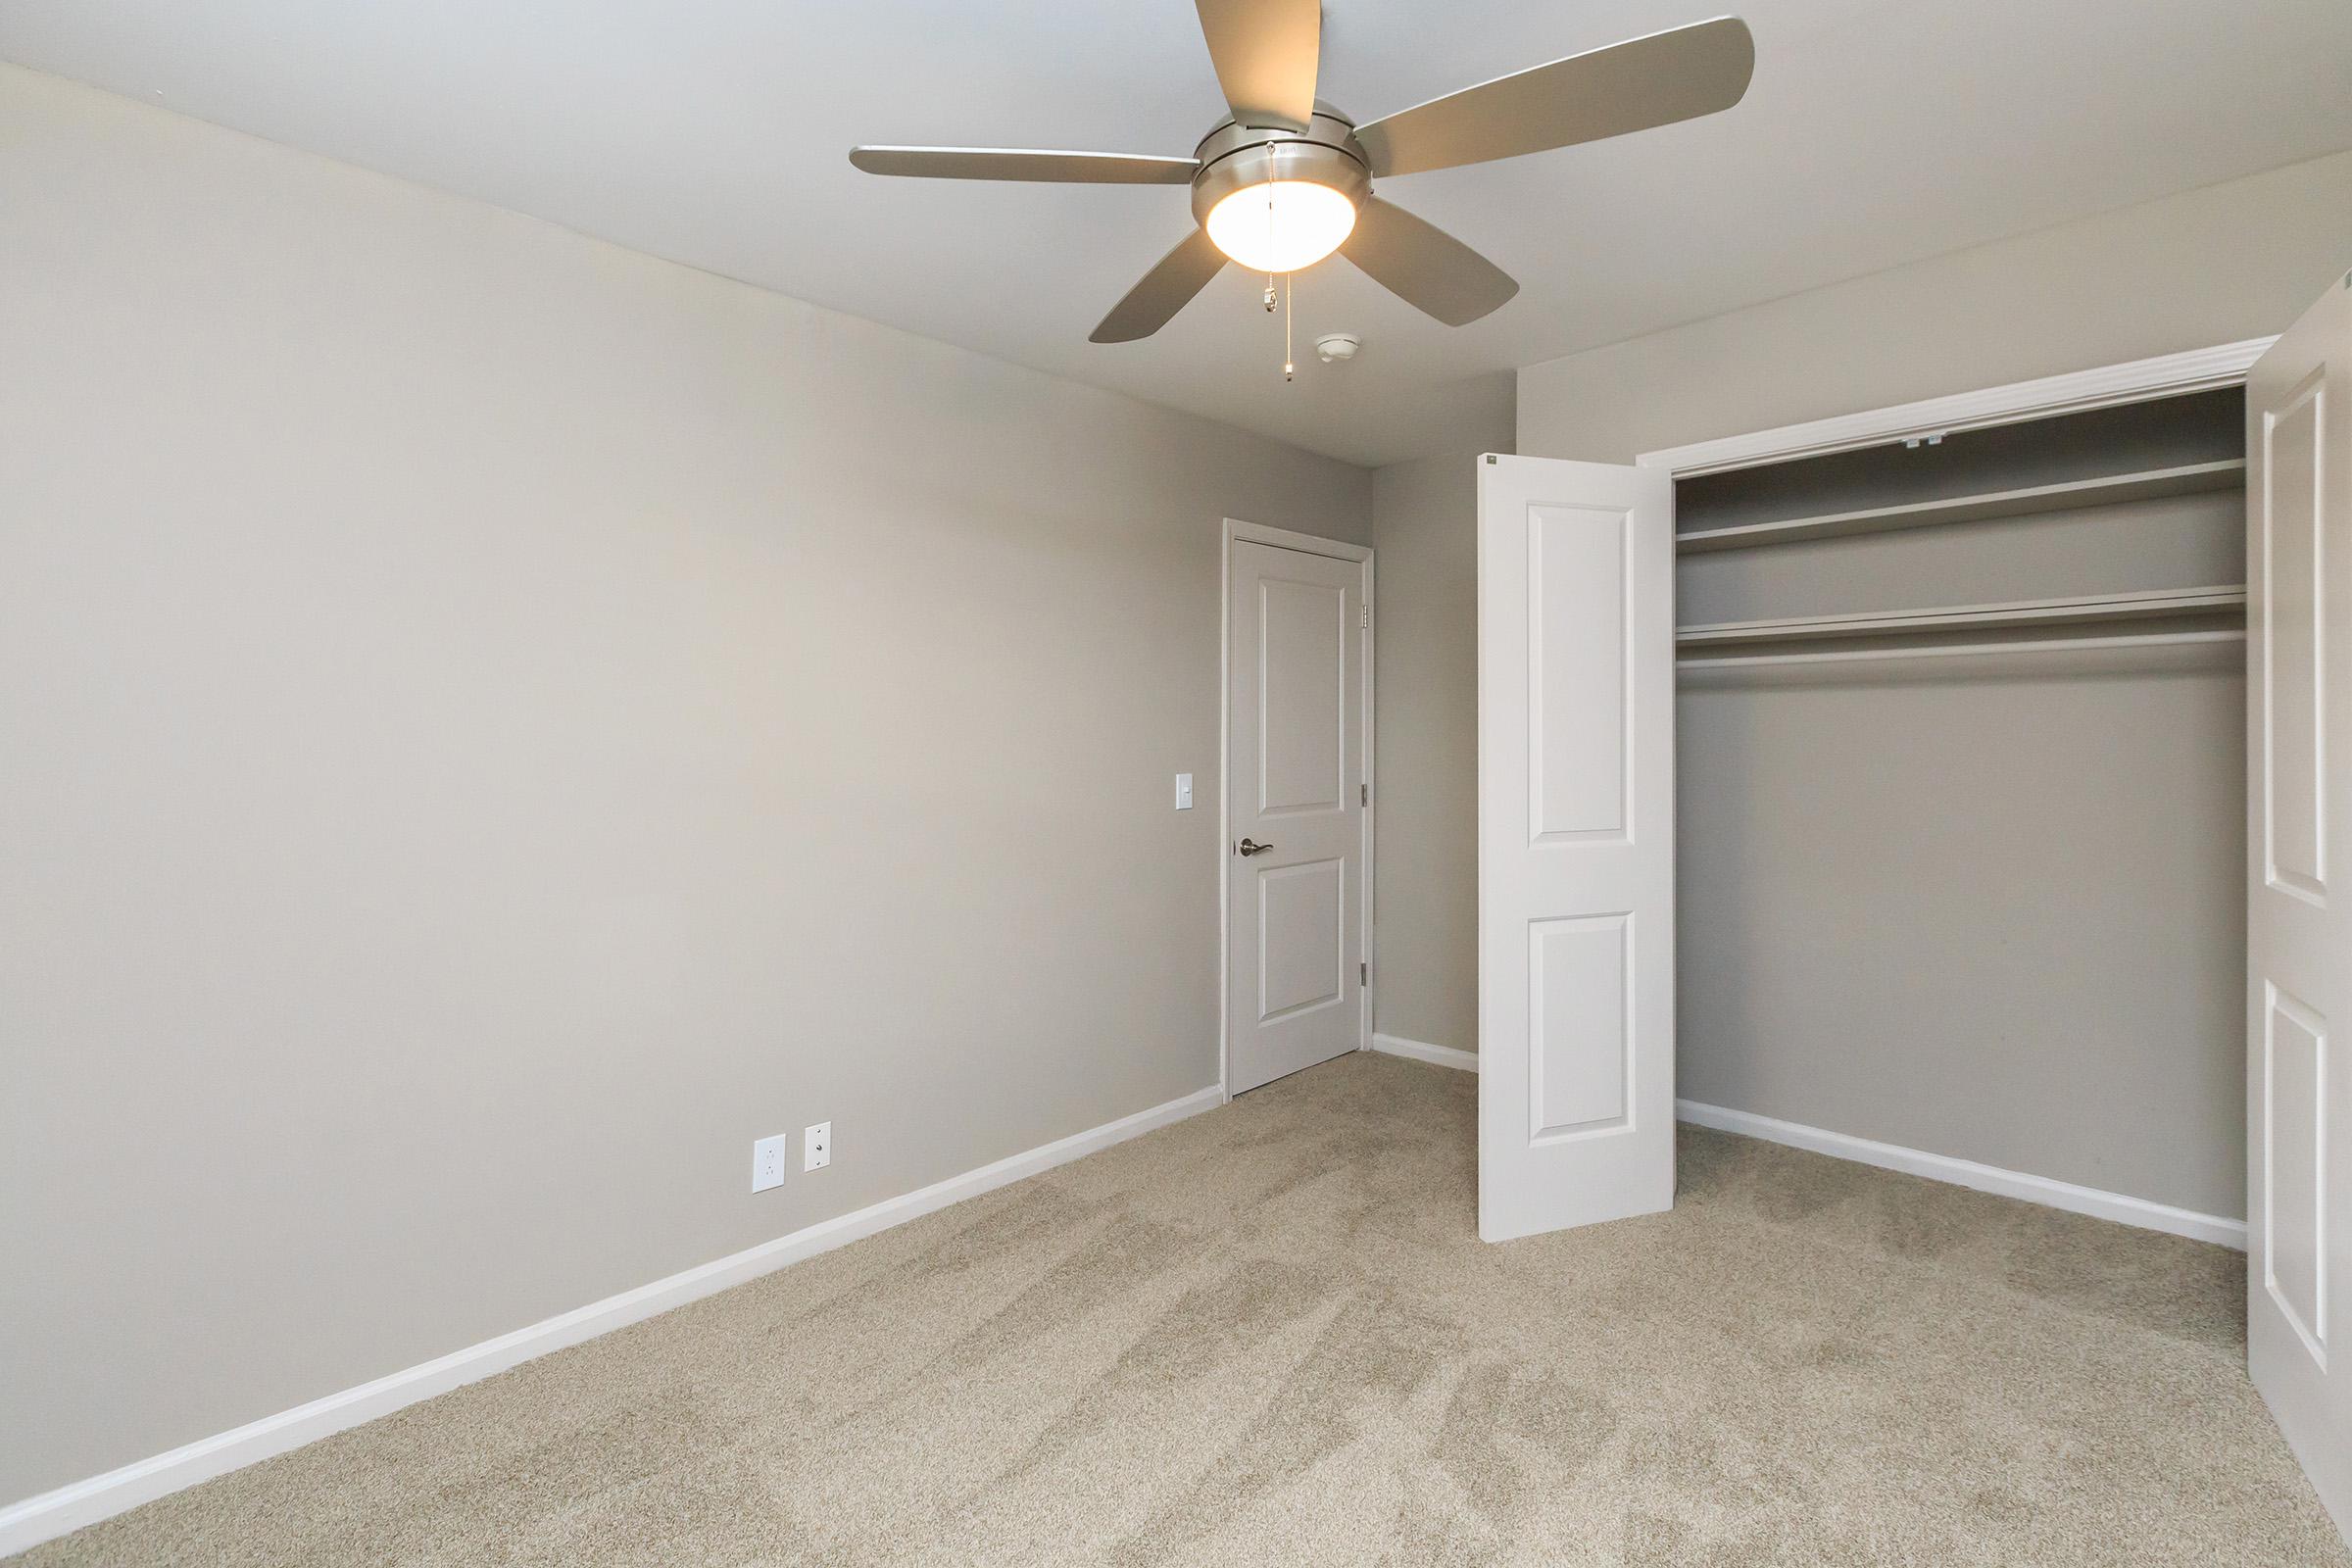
1164 290
1678 74
1266 53
1007 163
1424 266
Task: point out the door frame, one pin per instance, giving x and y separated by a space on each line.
1238 531
2079 391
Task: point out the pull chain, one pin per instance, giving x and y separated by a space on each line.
1290 368
1289 364
1269 233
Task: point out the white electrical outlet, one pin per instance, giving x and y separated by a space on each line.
816 1146
767 1162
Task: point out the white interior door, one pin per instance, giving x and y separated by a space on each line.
1294 788
1575 844
2299 907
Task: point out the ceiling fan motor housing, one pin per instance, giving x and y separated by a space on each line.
1234 157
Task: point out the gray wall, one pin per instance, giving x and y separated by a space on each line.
496 722
2000 919
1425 533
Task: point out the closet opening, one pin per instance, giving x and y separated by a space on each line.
1961 803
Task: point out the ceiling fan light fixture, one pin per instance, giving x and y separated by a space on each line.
1286 180
1281 225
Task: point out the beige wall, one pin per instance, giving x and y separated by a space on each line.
2213 266
1425 533
1951 917
496 722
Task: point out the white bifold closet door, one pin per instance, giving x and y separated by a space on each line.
2299 907
1575 844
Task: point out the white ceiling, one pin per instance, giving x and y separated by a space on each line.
715 132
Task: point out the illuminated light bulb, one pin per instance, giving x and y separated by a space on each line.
1281 225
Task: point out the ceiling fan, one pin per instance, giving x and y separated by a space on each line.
1286 180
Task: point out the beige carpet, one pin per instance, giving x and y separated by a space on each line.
1270 1335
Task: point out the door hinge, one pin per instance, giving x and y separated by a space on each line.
1367 620
1363 974
1363 795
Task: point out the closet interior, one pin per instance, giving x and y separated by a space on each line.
1961 741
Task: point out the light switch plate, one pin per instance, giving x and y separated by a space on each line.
816 1146
767 1162
1184 792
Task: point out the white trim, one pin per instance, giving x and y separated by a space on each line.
27 1524
2167 376
1423 1051
1225 812
1338 550
1257 534
1364 1025
2091 1201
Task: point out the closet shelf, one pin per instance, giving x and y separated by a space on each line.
2221 649
2095 610
2148 484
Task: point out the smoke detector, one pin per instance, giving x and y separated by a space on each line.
1338 348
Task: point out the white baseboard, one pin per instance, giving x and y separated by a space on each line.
2090 1200
1422 1051
27 1524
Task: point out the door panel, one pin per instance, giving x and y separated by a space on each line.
1295 909
2299 925
1576 697
1302 729
2295 1165
1576 844
1581 973
1303 936
2291 515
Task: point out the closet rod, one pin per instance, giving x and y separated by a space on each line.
1996 649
